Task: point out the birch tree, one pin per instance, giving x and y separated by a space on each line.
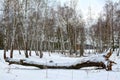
14 25
6 23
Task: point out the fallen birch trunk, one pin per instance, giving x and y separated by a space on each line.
101 61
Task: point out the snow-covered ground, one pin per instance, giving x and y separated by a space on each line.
18 72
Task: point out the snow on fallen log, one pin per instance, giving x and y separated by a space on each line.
101 61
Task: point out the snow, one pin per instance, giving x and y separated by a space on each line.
18 72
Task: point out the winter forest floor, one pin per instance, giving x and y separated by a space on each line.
18 72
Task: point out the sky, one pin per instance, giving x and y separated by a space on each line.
96 7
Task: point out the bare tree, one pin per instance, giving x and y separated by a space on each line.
6 23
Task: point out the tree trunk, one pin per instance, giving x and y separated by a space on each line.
26 49
11 52
86 62
119 47
40 48
4 53
81 49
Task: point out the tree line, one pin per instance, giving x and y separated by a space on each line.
105 33
44 25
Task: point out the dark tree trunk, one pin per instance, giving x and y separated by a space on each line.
4 54
81 50
11 52
26 49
